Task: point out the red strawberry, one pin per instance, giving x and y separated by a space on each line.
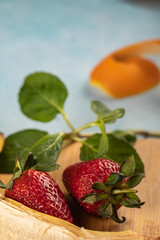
39 191
100 188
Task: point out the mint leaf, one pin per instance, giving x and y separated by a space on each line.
47 151
104 113
18 145
46 167
89 150
118 150
30 162
127 135
111 117
42 96
100 109
103 145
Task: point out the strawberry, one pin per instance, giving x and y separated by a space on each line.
101 186
39 191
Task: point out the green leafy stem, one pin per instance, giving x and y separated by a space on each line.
42 98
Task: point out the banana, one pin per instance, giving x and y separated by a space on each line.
1 141
19 222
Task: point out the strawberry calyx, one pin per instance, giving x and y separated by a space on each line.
116 191
17 172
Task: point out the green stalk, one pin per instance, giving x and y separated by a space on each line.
91 124
146 133
102 127
77 139
66 119
118 191
140 132
60 110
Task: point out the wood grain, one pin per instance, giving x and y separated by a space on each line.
145 221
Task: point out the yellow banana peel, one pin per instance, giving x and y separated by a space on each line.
1 141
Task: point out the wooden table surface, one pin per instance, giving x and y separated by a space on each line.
145 221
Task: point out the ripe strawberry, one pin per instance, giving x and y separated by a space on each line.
39 191
101 186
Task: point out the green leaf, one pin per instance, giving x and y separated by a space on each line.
17 172
45 147
128 166
42 96
89 150
89 198
103 145
118 150
2 185
18 145
104 113
99 186
105 210
47 151
30 162
111 117
115 215
132 196
94 197
121 191
126 135
99 108
134 180
115 178
46 167
131 203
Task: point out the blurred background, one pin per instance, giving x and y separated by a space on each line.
68 38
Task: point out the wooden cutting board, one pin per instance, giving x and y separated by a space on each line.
144 221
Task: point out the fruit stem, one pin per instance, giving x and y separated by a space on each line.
91 124
146 133
139 132
67 119
118 191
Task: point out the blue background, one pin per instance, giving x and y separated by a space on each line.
68 38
